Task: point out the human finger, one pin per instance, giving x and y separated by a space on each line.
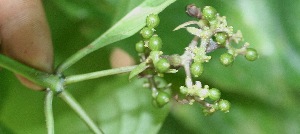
25 36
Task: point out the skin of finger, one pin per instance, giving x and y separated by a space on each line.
120 58
25 36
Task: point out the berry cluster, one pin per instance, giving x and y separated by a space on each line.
215 33
211 33
153 63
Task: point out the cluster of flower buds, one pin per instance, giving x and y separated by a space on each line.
208 97
215 33
211 33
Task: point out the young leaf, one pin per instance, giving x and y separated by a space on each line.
194 31
184 25
140 68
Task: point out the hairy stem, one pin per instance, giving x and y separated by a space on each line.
98 74
49 111
186 59
41 78
68 98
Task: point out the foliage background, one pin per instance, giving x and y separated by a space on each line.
264 94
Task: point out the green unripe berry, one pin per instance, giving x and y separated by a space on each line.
162 65
152 20
251 54
221 38
146 32
226 59
155 56
139 47
214 94
155 43
203 23
209 13
196 69
224 105
162 98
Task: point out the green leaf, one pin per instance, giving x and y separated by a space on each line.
259 90
124 28
21 103
131 23
248 116
264 94
123 7
4 129
140 68
4 81
22 109
118 107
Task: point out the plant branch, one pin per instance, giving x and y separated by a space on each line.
68 98
203 103
49 112
41 78
98 74
186 59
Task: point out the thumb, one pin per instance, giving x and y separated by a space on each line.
25 36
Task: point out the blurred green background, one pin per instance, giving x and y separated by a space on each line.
264 94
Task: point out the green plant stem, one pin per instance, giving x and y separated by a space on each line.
98 74
49 112
41 78
68 98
